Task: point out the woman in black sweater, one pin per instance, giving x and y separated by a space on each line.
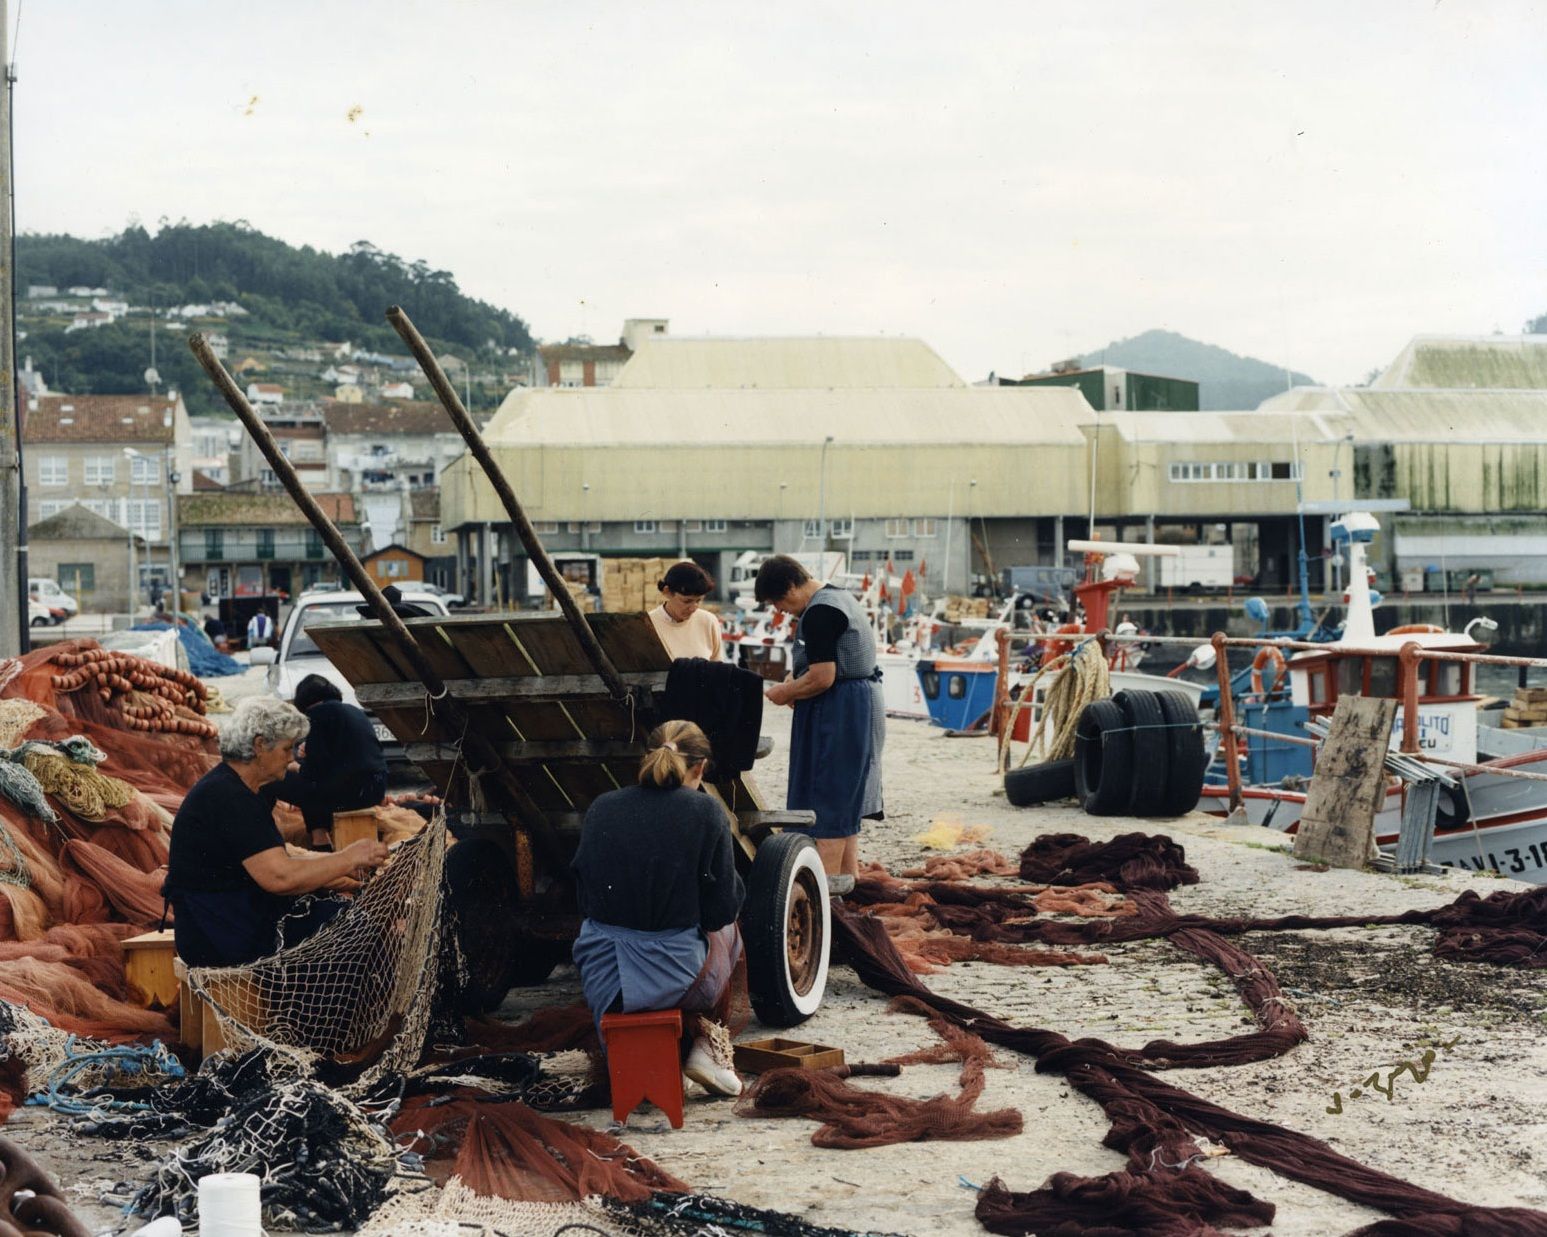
660 895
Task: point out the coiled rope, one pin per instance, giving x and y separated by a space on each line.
1082 677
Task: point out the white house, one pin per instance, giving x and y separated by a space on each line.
265 393
88 321
397 390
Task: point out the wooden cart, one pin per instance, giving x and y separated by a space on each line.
527 686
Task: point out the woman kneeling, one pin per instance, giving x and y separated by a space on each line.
660 895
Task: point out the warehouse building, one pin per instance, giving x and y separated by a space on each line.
712 448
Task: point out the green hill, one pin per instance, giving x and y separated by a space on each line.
1226 381
291 295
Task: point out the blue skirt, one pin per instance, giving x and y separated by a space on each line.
835 756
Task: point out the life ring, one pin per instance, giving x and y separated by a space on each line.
1057 648
1417 629
1264 656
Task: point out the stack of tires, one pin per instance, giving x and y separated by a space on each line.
1140 753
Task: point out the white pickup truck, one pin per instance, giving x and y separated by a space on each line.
298 654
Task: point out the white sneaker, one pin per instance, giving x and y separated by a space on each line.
710 1063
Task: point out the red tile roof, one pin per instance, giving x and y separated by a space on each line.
99 418
228 507
400 417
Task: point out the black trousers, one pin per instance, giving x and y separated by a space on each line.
319 799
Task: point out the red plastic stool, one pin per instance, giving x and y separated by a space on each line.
644 1062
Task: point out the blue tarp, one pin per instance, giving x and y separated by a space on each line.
204 659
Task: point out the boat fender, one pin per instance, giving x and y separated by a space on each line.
1452 808
1263 658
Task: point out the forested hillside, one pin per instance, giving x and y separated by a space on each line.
291 296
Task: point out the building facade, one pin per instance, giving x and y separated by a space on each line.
235 544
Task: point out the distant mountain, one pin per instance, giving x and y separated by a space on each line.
1226 381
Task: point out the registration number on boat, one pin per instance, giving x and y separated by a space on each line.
1516 859
382 733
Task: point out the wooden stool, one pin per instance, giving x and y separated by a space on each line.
351 827
149 966
644 1062
190 1011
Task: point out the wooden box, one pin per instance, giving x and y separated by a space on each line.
759 1055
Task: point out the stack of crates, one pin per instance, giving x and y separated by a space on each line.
630 583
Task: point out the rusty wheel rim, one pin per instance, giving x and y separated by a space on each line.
803 932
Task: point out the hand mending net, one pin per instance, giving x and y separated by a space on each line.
358 991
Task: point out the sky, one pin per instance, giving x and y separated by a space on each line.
1312 184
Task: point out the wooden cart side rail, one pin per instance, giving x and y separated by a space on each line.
556 688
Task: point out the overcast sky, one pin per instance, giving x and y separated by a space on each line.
1310 183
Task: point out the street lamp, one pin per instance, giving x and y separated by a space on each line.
1336 473
130 455
585 528
821 504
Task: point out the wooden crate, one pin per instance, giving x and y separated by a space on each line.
351 827
760 1055
150 968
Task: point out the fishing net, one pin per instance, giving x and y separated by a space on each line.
853 1117
359 990
1130 861
965 866
30 1204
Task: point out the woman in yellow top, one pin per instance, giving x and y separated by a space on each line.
685 630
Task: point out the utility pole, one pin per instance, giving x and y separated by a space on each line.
13 522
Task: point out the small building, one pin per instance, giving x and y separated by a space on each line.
88 555
265 393
427 536
593 365
398 390
246 545
1110 389
394 564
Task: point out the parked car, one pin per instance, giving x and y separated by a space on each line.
51 595
39 615
452 600
298 654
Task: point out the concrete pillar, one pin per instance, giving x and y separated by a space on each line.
486 564
464 577
1058 541
1150 564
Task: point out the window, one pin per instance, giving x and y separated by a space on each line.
544 526
860 556
99 470
144 470
392 568
842 530
898 528
265 543
1236 470
926 527
143 517
902 556
644 526
714 526
693 526
811 530
575 527
214 544
49 507
78 578
313 543
53 470
437 534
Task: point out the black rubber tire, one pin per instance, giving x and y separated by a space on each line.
1452 807
786 888
1187 759
1103 759
1142 712
1053 779
485 900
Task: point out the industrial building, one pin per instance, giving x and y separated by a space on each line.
711 448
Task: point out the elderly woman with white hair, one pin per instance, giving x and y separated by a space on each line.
230 879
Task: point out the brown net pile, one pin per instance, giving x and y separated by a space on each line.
509 1151
965 866
1158 1126
854 1117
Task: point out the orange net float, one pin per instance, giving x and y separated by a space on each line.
1057 648
1265 657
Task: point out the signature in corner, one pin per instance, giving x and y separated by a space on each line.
1419 1070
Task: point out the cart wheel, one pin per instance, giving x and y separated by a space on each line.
786 925
484 897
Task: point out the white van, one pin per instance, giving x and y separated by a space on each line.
51 595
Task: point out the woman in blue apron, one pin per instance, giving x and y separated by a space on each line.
840 712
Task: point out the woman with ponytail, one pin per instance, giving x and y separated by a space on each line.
658 887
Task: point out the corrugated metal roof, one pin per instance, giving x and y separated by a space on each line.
736 419
1455 417
1218 428
786 363
1500 362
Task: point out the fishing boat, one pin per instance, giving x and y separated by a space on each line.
1490 821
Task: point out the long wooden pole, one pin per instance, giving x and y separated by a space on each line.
451 710
530 541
